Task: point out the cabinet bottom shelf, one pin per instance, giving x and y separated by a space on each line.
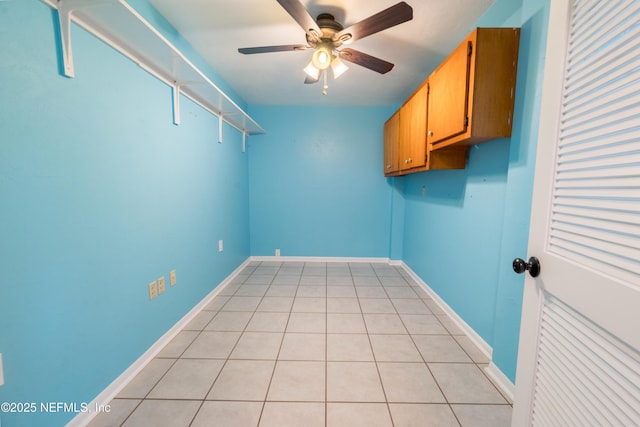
455 158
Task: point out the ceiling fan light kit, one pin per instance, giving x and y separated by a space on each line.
320 61
326 36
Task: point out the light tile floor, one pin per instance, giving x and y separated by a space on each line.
315 344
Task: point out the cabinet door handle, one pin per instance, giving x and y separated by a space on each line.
388 166
430 133
410 160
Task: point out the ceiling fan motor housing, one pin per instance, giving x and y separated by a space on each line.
330 28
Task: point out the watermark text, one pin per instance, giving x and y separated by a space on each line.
52 407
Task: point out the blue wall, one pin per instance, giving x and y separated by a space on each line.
462 236
100 195
452 234
522 157
317 187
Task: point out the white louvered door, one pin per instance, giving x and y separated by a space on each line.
579 353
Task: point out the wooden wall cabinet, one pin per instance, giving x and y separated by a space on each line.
468 99
471 94
405 140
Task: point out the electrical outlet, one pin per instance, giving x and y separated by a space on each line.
172 278
153 290
220 245
161 285
277 252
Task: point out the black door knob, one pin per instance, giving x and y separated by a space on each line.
520 266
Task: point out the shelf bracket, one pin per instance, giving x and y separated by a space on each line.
244 141
176 103
65 10
220 121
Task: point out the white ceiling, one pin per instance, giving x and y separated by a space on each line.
217 28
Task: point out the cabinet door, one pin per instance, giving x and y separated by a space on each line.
413 130
448 96
391 143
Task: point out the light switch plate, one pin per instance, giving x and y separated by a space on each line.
172 278
220 245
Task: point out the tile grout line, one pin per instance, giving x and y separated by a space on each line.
429 368
375 360
277 357
266 393
326 341
204 399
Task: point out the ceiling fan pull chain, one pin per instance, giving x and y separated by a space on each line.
326 86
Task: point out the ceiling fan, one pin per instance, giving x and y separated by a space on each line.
326 36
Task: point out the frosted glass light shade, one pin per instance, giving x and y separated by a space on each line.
338 67
312 71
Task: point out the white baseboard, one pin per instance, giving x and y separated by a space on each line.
317 259
473 335
497 376
109 393
501 381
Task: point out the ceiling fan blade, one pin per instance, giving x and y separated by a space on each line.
300 14
388 18
268 49
365 60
